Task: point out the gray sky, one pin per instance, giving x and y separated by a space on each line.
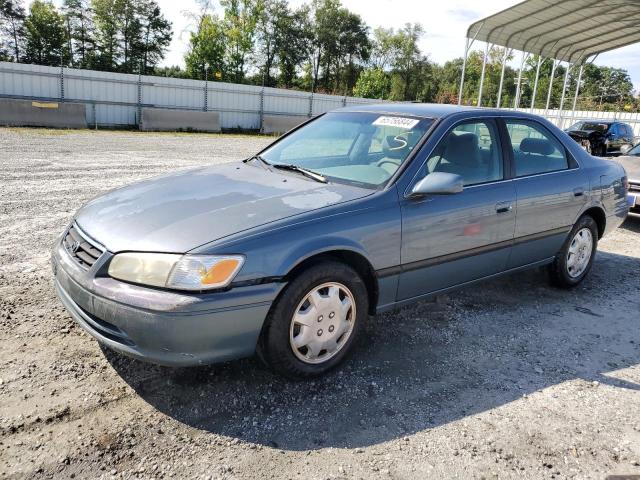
445 24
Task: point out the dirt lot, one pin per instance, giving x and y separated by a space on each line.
507 379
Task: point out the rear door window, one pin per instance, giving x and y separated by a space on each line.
535 149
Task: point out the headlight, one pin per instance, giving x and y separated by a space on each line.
180 272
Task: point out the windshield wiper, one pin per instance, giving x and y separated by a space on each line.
258 157
306 172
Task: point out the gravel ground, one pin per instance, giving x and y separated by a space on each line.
511 378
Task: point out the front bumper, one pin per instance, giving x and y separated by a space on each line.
633 199
163 327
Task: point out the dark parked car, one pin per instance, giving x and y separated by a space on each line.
631 163
600 137
356 212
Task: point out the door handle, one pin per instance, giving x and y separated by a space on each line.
503 207
578 192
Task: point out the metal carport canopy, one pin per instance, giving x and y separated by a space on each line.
565 30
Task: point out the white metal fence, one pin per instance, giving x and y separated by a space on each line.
567 118
115 99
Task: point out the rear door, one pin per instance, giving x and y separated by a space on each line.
550 189
451 239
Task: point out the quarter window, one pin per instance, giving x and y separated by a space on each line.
535 150
470 150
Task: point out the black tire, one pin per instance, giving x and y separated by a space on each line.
559 271
602 151
274 346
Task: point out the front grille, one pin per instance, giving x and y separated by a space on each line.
634 187
79 247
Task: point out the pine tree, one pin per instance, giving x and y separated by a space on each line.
12 30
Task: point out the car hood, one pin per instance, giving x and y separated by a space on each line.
179 212
581 133
631 164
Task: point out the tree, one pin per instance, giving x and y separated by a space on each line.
207 49
407 58
269 36
46 37
240 19
384 48
106 17
373 83
12 30
80 32
295 46
130 33
156 35
339 38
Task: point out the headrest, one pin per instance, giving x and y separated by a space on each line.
396 146
540 146
463 149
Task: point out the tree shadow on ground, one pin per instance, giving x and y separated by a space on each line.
421 367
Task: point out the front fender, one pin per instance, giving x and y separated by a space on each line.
318 246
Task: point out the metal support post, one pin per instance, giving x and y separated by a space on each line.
484 68
504 64
575 97
206 88
261 108
564 89
61 83
553 72
535 83
516 102
464 68
139 99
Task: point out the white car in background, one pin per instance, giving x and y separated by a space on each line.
630 160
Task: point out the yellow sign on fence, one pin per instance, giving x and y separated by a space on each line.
44 104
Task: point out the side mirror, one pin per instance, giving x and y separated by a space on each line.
438 183
624 149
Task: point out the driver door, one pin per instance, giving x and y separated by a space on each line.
448 240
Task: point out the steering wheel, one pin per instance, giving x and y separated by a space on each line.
392 162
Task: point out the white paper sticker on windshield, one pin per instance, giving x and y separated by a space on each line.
401 122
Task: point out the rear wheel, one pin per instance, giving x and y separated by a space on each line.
573 262
315 321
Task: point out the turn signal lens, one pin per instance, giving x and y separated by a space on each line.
220 272
202 272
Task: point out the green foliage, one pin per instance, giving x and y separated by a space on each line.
80 32
12 30
207 49
240 20
319 46
373 83
339 40
46 37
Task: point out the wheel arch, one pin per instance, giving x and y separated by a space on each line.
353 259
597 213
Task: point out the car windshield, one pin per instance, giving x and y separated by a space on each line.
358 148
589 126
635 151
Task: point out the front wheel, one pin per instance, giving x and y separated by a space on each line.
573 262
315 321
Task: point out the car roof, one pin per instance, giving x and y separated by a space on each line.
599 120
430 110
427 110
